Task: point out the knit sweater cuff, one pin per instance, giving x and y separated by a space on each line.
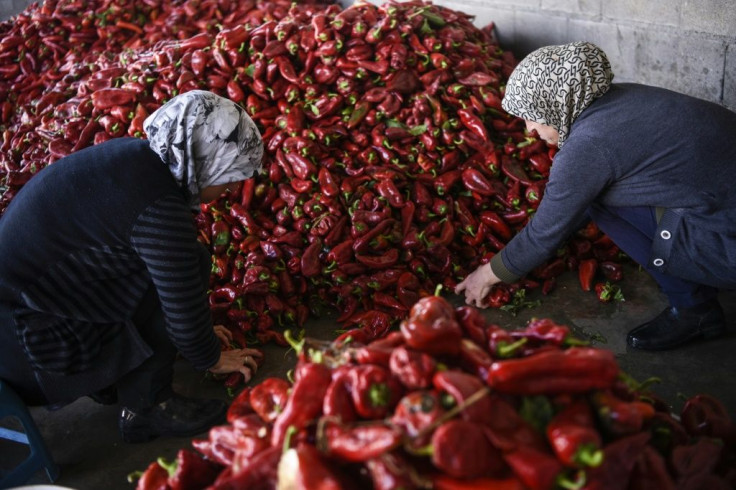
501 271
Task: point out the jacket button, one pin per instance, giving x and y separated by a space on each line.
658 262
665 234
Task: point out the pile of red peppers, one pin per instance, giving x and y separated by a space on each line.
390 166
451 401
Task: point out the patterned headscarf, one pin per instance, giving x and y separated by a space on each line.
205 140
554 84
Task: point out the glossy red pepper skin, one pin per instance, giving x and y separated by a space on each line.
537 470
413 369
374 390
620 417
305 401
462 386
586 273
573 436
268 398
462 450
154 477
360 443
431 327
575 370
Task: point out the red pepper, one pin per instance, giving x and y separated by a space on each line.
360 443
444 182
586 273
537 470
305 401
310 261
575 370
461 387
375 391
473 123
475 359
611 270
476 182
387 259
413 369
472 322
408 289
190 471
431 327
705 415
390 471
387 189
651 471
260 471
107 98
497 225
574 437
154 477
416 413
462 450
441 481
544 330
269 397
541 163
513 169
363 243
619 458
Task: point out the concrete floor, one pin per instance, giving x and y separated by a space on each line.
84 440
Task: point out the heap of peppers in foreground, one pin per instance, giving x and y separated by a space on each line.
450 401
390 165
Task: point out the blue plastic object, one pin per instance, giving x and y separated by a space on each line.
12 406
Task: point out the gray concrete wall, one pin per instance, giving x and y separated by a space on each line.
685 45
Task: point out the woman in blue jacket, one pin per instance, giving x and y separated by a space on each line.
654 169
102 279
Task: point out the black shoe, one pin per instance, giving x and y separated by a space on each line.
178 416
677 326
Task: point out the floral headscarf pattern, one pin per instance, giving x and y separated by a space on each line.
205 140
554 84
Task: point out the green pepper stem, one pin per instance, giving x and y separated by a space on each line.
589 455
506 350
169 467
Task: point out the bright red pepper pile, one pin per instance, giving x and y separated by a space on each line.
453 402
390 165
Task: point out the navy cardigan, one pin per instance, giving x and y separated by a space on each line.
80 244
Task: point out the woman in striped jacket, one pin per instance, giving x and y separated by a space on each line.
102 279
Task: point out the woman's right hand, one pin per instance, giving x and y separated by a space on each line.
238 360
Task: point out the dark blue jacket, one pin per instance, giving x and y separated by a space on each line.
643 146
80 244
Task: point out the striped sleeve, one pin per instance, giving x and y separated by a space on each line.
165 238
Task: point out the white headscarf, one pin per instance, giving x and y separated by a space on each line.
554 84
205 140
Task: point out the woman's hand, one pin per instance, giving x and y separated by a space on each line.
478 285
238 360
224 334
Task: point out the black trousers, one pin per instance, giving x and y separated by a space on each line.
143 387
